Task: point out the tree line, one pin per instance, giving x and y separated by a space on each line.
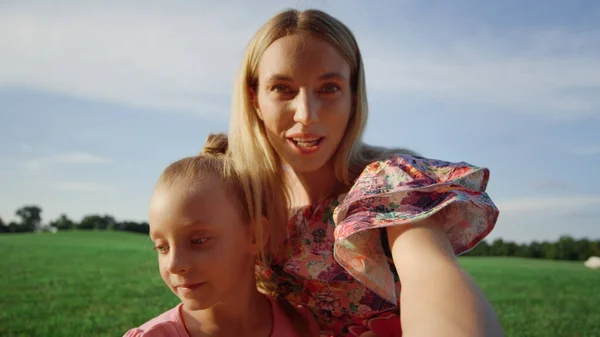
30 217
566 248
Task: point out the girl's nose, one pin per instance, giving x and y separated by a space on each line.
178 262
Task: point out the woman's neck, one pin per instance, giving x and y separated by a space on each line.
244 310
308 188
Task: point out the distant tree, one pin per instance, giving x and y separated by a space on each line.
482 249
549 250
565 248
95 221
519 250
498 248
3 227
535 250
511 249
132 226
63 222
595 248
90 222
144 228
14 227
583 249
107 222
31 217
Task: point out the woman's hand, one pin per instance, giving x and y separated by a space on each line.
438 297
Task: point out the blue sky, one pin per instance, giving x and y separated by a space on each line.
97 98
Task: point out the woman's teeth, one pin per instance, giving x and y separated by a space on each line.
306 142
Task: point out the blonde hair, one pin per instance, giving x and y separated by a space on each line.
214 162
250 148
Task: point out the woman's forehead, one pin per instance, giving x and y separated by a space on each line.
296 55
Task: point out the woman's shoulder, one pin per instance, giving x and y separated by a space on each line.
412 171
432 166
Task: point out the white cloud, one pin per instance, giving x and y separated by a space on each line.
534 205
78 186
69 158
149 56
545 77
184 56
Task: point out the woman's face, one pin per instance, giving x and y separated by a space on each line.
305 99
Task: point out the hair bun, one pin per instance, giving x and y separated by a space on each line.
216 144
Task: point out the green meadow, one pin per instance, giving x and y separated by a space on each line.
101 283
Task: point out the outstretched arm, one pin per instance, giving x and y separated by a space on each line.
438 297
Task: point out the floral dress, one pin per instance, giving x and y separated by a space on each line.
336 260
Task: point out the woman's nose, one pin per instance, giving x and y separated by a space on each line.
307 108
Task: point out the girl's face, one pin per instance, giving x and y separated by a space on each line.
304 99
205 250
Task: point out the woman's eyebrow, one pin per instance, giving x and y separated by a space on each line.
279 77
332 75
326 76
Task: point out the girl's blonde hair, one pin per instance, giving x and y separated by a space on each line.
214 162
250 149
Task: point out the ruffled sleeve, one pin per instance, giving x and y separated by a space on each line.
401 190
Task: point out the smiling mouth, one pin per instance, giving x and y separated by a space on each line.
189 286
306 143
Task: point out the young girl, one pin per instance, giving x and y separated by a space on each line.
373 233
207 245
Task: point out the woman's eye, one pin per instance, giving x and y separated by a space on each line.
200 241
330 88
281 89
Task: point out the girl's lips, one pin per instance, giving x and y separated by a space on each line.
187 290
189 286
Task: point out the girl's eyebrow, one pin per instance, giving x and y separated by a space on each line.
201 222
153 235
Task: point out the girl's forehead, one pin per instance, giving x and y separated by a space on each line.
174 207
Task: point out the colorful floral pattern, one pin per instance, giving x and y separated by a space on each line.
335 262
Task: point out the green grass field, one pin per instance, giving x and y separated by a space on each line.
102 283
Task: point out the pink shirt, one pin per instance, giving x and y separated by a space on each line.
171 324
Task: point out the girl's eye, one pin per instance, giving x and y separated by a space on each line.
200 241
162 249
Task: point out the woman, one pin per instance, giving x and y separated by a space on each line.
361 220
